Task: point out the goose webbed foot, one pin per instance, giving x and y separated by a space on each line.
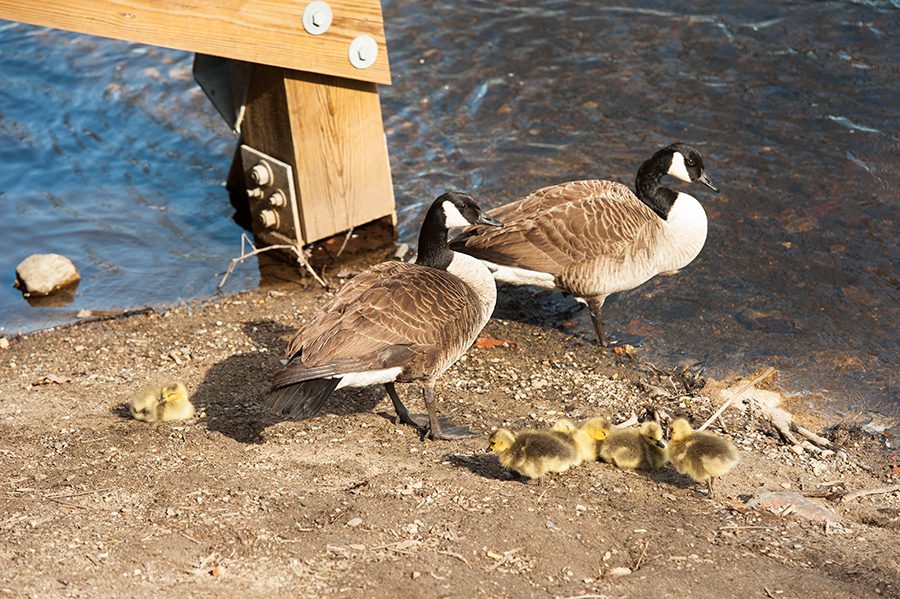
435 428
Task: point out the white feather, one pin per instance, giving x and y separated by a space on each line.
452 216
677 169
369 377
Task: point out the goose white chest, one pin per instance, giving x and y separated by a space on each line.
684 234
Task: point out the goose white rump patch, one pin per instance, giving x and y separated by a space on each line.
370 377
521 276
677 169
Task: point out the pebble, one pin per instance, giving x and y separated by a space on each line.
354 522
620 571
42 274
4 343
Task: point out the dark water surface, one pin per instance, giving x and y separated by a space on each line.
113 157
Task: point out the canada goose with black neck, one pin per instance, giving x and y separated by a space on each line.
395 322
593 238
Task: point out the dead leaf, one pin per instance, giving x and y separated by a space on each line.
490 343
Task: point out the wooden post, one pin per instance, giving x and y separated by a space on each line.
311 103
330 130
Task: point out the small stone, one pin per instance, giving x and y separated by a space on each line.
580 508
4 343
354 522
415 575
620 571
42 274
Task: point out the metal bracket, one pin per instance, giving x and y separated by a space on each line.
273 201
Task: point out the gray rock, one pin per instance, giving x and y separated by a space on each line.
42 274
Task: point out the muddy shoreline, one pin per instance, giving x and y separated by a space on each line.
348 504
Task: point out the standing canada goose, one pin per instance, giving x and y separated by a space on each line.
594 238
395 322
702 456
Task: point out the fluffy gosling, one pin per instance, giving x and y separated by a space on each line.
160 405
702 456
632 448
588 437
533 454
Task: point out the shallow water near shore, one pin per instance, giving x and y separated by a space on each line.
113 157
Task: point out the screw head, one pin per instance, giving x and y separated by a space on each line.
261 174
268 219
317 17
278 198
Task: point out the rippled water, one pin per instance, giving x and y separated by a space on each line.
114 158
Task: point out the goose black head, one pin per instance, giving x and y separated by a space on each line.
685 164
450 209
460 210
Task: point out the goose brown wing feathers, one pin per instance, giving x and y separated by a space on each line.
556 227
391 315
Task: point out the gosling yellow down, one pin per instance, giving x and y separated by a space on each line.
534 453
160 405
588 436
702 456
631 448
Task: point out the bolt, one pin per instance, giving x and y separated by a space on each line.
261 174
269 219
277 198
256 192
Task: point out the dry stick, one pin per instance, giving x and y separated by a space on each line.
820 441
344 245
640 560
875 491
744 388
301 259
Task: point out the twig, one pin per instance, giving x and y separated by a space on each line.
456 555
70 495
743 389
630 422
820 441
588 597
189 537
876 491
640 559
344 245
245 241
768 592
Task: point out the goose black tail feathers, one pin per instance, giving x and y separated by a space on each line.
301 400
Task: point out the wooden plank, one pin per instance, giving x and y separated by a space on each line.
330 130
259 31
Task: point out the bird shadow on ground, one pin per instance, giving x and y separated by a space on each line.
233 390
484 465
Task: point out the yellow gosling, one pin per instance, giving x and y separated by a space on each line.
702 456
533 454
632 448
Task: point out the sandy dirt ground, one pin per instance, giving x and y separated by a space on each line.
239 503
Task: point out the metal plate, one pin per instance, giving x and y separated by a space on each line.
288 228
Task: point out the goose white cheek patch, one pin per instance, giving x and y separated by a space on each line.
453 217
677 169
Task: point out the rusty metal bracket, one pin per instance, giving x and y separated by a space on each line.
273 200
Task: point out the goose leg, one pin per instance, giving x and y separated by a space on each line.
595 304
709 487
435 429
402 413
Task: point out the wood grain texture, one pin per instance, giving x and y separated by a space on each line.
330 130
258 31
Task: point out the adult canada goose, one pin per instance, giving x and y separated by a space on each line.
594 238
395 322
